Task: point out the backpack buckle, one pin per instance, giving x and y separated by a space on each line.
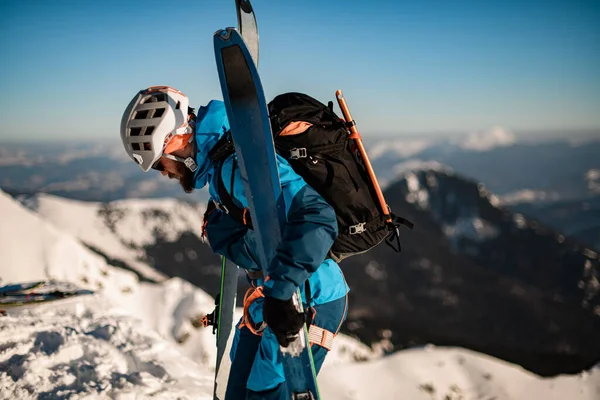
297 153
220 206
358 228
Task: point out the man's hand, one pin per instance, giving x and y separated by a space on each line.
283 318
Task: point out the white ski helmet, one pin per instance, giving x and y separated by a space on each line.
152 118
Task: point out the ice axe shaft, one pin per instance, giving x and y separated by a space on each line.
355 135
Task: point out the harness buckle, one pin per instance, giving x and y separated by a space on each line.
297 153
358 228
220 206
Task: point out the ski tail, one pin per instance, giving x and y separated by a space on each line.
224 320
247 27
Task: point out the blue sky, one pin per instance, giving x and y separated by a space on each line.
69 68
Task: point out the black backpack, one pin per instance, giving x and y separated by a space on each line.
329 162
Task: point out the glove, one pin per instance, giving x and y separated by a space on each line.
283 318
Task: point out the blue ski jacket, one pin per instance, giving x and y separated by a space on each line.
308 234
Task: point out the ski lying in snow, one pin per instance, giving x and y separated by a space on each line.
17 299
224 325
247 27
250 127
20 288
37 292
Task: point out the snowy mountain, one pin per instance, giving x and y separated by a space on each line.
463 236
474 274
155 238
121 230
137 339
467 253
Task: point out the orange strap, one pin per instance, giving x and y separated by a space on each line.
251 295
321 337
317 335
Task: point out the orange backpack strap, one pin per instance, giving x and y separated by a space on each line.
252 294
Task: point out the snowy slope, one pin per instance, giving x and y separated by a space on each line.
120 229
451 374
138 340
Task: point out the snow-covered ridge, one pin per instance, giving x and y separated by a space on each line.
120 229
451 374
528 196
593 179
422 186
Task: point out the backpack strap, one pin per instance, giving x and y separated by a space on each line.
305 152
227 205
394 228
223 149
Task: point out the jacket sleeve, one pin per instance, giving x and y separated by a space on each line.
226 236
307 236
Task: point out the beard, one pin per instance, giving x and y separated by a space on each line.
185 178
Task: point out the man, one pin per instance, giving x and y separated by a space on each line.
158 132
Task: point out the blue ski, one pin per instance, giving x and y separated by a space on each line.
20 288
250 127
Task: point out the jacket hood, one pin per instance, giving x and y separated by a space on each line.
211 124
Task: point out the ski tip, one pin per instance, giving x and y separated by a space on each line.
224 34
245 6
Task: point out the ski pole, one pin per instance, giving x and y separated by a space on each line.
355 135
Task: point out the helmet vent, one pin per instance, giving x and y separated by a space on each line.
143 114
148 131
135 146
155 98
178 106
135 131
158 113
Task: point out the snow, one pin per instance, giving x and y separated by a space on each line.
140 340
473 228
528 196
120 229
488 139
451 374
416 194
83 348
593 179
